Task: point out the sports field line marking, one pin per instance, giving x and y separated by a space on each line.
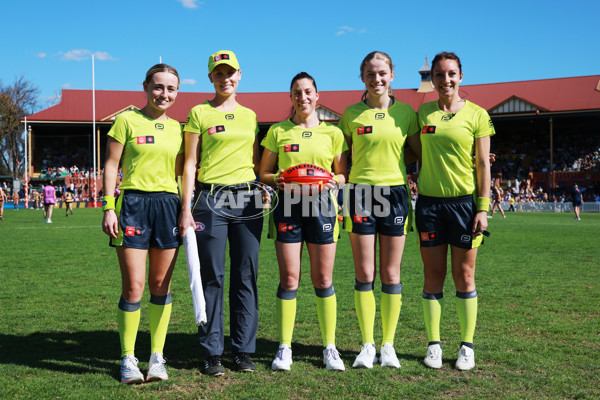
60 227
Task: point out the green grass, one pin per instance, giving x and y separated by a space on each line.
537 335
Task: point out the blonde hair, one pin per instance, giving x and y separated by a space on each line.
379 55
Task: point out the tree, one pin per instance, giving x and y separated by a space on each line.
16 101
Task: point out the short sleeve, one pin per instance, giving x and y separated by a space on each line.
119 129
270 142
192 124
343 124
485 126
413 122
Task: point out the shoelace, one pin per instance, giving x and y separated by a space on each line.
279 353
215 360
333 353
242 358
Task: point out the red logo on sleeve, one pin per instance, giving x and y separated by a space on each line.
428 129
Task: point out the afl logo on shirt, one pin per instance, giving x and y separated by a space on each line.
145 140
364 130
216 129
293 148
428 129
229 116
159 126
380 116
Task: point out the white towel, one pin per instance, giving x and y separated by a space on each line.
193 263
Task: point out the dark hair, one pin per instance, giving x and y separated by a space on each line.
300 75
380 55
446 55
160 68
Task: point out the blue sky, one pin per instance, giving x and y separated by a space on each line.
50 42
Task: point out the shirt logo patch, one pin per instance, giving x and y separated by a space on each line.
428 129
159 127
145 140
306 134
380 116
364 130
200 226
229 116
425 236
216 129
293 148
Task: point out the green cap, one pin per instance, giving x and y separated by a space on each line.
222 57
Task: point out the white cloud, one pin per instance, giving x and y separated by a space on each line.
342 30
66 86
188 81
84 54
190 3
41 55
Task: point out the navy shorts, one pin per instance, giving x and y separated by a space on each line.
446 220
308 218
147 219
369 210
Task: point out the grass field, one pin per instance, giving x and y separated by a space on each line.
537 337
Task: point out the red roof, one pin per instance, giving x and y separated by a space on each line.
553 95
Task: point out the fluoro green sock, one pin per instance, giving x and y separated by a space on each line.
364 303
286 315
466 308
391 303
433 307
327 313
159 314
128 319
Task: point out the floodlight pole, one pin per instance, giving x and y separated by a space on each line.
93 174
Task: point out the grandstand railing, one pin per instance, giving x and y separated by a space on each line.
551 207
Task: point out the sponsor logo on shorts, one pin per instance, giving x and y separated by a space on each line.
380 116
216 129
283 227
425 236
132 231
360 219
428 129
175 231
291 148
398 220
145 140
327 228
364 130
200 226
159 127
465 238
229 116
306 134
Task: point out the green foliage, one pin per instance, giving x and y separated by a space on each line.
537 334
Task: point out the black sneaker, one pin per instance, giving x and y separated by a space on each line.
213 366
242 362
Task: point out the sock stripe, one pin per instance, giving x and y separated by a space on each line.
433 296
160 300
286 294
466 295
323 293
391 289
128 306
363 287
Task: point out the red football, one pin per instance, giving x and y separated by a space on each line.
306 174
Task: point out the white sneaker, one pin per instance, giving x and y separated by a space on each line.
283 359
434 356
466 358
332 360
367 356
49 221
130 373
388 356
156 368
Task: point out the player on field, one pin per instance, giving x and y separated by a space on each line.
3 199
143 222
577 200
49 195
497 195
377 202
221 162
303 138
68 197
453 203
